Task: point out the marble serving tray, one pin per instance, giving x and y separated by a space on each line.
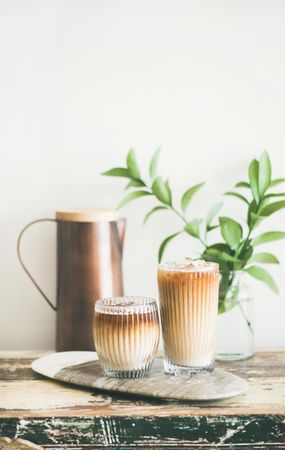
83 369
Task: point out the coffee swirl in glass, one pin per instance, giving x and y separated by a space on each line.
126 335
188 295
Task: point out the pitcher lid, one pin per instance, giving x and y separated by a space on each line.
87 215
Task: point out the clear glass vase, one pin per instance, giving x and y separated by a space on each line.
235 333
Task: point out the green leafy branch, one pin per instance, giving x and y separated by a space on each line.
158 188
237 250
259 207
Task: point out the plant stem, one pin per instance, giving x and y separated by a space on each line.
181 216
245 242
246 319
178 214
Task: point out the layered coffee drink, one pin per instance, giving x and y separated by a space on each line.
126 335
188 306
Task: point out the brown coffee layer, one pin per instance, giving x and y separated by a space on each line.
104 319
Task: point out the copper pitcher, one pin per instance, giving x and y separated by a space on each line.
89 267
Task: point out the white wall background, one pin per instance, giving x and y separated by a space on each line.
82 81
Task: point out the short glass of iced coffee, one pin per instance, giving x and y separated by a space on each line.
126 335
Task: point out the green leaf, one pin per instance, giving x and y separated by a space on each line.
187 196
161 190
117 172
261 274
268 237
277 181
279 194
132 196
253 178
270 209
236 194
222 255
266 258
193 227
252 209
231 232
264 175
226 304
221 246
211 214
133 165
242 184
163 245
213 227
211 252
135 183
153 210
153 164
169 191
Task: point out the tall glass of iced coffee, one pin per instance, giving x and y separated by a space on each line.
188 306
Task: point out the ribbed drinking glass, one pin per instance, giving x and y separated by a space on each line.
126 335
188 295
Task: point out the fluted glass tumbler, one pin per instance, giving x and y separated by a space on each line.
126 335
188 306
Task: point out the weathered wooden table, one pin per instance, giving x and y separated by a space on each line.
58 416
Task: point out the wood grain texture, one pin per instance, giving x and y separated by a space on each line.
266 394
69 418
84 369
175 447
149 432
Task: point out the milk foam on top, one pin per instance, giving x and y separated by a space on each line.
190 265
125 305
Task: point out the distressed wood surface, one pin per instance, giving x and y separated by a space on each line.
25 393
84 369
58 416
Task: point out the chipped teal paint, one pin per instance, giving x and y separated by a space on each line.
128 432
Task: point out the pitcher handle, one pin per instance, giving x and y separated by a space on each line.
24 266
